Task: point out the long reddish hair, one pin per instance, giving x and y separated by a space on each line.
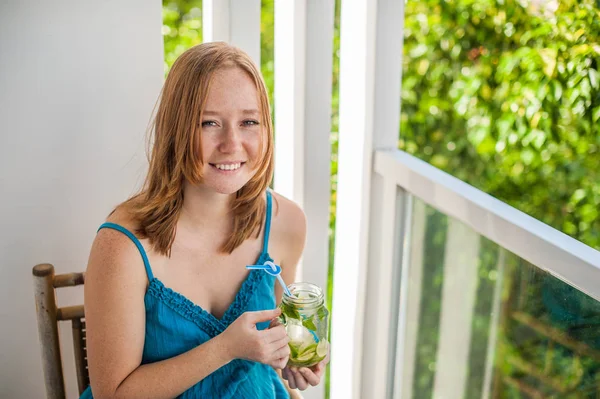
176 157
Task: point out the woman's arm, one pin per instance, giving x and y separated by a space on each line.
115 286
168 378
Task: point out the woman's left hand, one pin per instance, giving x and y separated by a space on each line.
303 377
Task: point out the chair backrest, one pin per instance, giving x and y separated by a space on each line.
48 315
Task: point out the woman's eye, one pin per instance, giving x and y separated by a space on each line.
251 122
209 123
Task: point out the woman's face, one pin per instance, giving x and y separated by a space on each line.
231 131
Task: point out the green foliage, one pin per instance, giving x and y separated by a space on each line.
267 47
182 27
507 98
335 96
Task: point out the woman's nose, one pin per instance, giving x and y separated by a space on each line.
231 140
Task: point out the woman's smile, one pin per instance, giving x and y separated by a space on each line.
228 168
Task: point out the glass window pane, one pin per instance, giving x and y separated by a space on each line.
490 324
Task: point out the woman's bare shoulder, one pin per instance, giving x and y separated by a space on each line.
123 217
115 254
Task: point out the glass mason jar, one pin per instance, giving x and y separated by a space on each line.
306 319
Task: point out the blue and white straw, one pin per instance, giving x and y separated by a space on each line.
273 270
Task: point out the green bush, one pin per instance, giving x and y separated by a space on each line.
507 98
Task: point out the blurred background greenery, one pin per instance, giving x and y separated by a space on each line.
504 95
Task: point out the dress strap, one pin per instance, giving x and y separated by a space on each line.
137 243
267 223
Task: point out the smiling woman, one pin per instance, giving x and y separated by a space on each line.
210 112
172 259
232 136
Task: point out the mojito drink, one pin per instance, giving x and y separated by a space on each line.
305 318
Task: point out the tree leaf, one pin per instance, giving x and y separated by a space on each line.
593 75
548 56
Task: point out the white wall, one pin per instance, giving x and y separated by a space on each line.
78 81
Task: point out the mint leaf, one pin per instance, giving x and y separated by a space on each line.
290 312
322 313
308 323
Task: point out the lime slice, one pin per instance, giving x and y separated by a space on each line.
322 348
306 349
316 359
293 350
305 357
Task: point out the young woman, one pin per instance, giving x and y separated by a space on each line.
171 310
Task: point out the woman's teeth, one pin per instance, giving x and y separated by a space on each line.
228 166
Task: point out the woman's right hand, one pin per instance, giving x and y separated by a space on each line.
243 340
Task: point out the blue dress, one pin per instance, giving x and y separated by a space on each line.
175 325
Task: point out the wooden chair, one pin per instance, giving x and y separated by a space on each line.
48 315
